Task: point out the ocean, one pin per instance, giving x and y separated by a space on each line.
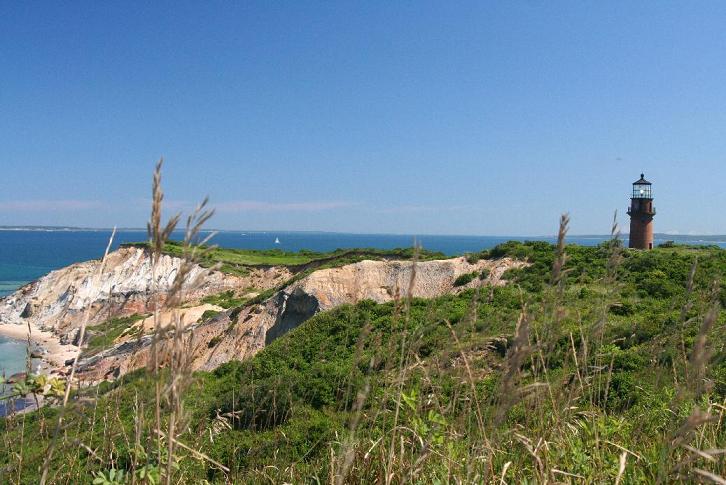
12 360
26 255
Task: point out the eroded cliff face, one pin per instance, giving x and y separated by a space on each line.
58 301
239 334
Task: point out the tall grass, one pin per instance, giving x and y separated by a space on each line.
526 400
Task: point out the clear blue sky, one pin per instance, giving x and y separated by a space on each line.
407 117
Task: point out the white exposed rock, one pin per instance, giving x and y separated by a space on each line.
58 301
381 280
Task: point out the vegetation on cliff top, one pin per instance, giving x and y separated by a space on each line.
239 261
596 364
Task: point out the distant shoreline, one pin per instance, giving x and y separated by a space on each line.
658 235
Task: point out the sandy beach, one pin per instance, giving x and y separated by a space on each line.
54 354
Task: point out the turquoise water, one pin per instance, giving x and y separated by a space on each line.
12 360
12 356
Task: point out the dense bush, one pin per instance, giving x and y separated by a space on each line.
465 278
208 314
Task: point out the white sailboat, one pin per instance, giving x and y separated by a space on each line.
277 240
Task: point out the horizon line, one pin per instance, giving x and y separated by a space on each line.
44 228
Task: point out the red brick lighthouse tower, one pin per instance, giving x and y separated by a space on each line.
641 212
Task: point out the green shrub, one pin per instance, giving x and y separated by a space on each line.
465 279
719 380
473 258
103 335
622 309
208 314
226 299
656 284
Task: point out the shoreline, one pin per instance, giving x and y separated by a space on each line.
53 354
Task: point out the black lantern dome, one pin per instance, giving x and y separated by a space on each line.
642 189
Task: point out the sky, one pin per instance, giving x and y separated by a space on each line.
486 118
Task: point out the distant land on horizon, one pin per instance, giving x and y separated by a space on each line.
659 235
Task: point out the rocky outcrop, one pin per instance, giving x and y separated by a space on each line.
58 302
239 334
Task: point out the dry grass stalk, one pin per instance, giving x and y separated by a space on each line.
711 477
74 365
178 350
558 267
198 454
349 446
517 354
614 261
621 467
701 352
545 340
472 384
158 236
687 306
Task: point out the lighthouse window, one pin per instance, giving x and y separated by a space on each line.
642 192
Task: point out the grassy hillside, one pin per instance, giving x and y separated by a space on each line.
594 365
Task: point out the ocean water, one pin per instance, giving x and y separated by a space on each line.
12 360
26 255
13 356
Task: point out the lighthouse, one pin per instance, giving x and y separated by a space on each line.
641 212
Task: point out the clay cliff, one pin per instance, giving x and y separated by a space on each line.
57 302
